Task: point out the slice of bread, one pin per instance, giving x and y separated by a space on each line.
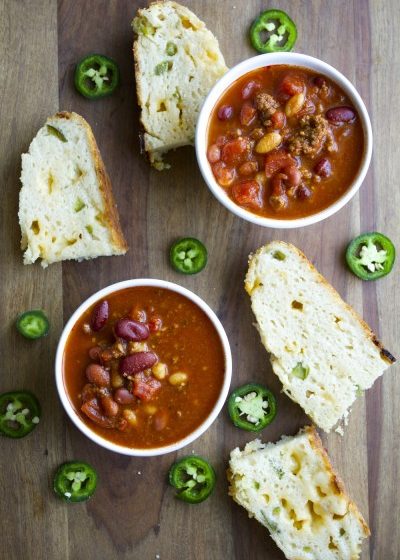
177 61
291 488
320 349
66 205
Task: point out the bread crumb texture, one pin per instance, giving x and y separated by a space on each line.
324 354
66 207
291 488
177 61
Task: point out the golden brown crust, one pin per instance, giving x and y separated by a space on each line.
385 354
110 215
336 481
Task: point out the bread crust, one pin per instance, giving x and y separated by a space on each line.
316 444
386 356
110 215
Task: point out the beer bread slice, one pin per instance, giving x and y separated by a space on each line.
66 205
322 351
291 488
177 61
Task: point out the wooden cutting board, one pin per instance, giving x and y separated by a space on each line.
134 513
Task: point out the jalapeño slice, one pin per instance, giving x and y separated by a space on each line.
371 256
273 31
75 481
96 76
194 479
33 324
19 413
252 407
188 255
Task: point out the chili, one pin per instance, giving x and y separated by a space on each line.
96 76
19 413
194 479
371 256
75 481
280 29
252 407
188 255
33 324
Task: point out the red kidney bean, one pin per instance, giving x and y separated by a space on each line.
98 375
213 153
123 396
323 168
225 112
137 362
250 88
99 316
319 81
128 329
339 115
160 420
303 192
109 406
95 353
278 119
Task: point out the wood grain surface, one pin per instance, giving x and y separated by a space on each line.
134 514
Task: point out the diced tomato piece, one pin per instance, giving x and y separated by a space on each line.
154 323
247 113
274 161
236 151
250 88
248 193
145 386
224 175
290 85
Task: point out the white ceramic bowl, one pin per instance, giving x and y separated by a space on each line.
156 450
293 59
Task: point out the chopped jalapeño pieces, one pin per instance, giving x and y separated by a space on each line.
371 256
194 479
19 413
252 407
273 31
96 76
75 481
56 132
33 324
188 255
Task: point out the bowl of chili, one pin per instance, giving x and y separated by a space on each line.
143 367
283 140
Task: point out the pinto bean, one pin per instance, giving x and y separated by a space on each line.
109 406
98 375
137 362
214 153
123 396
248 168
278 120
340 115
99 316
128 329
224 175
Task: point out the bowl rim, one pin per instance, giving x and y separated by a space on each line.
131 451
272 59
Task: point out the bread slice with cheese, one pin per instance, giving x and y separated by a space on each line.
322 351
291 488
66 205
177 61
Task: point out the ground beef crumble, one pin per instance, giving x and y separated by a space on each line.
313 135
266 106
